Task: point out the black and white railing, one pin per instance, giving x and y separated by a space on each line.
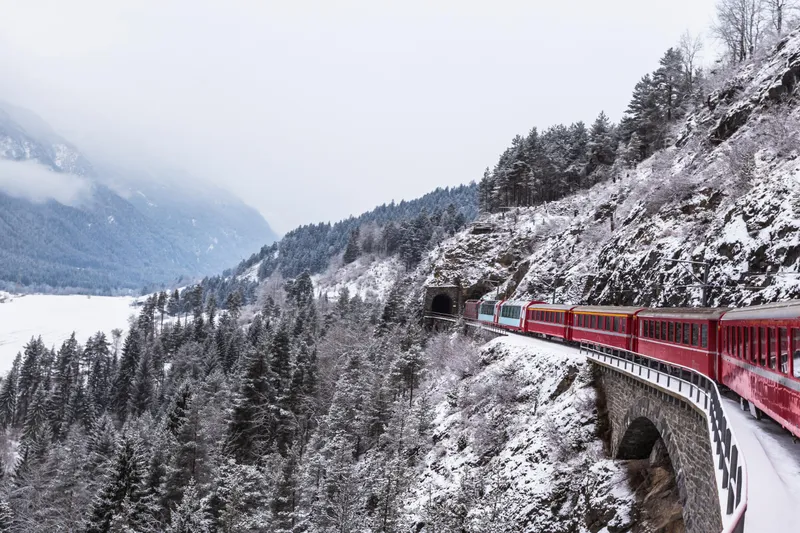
702 392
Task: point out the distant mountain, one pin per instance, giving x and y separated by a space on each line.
69 224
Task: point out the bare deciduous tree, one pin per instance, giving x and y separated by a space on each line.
740 25
690 47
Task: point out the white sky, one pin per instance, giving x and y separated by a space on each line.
317 110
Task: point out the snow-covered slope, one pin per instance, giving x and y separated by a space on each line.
369 276
728 193
515 445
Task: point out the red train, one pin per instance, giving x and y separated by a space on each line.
754 351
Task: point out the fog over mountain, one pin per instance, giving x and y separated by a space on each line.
312 111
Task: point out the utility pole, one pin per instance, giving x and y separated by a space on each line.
702 282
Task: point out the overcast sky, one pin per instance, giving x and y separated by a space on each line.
313 111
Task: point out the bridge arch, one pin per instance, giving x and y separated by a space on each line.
645 429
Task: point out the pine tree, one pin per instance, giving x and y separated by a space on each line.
121 500
353 250
6 517
8 395
249 430
30 377
65 380
98 384
191 516
602 146
161 306
123 382
143 388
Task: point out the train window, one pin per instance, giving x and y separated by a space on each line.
764 347
678 332
663 331
695 334
658 330
608 323
592 321
687 333
704 336
783 347
796 353
622 325
671 332
738 342
771 355
753 344
645 328
746 349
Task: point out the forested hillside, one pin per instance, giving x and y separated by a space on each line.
67 225
405 230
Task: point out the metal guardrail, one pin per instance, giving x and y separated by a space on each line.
702 392
469 322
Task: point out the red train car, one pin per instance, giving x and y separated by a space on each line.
760 359
471 309
611 326
683 336
548 320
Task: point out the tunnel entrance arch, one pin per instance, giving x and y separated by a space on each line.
442 304
446 299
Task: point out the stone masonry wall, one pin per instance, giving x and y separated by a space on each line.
684 431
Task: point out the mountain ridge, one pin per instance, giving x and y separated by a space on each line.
109 230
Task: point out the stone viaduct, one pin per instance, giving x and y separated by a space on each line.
642 415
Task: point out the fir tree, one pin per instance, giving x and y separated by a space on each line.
249 430
123 382
191 516
121 500
8 395
353 250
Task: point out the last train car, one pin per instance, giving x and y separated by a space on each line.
760 359
471 309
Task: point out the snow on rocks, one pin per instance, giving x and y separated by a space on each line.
515 444
369 276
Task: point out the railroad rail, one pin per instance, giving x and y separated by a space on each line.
686 385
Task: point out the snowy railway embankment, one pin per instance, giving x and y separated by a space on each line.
516 448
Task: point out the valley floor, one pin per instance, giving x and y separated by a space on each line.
55 317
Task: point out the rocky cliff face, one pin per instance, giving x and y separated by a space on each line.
726 193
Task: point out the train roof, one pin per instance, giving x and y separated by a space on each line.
551 307
690 313
521 303
607 309
787 309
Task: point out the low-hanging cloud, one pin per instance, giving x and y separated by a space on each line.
37 183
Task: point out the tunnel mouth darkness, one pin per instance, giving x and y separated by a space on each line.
442 304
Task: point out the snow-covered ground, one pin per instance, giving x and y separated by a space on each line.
773 469
516 439
369 276
55 317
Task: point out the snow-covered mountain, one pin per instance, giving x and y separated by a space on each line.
726 193
70 224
